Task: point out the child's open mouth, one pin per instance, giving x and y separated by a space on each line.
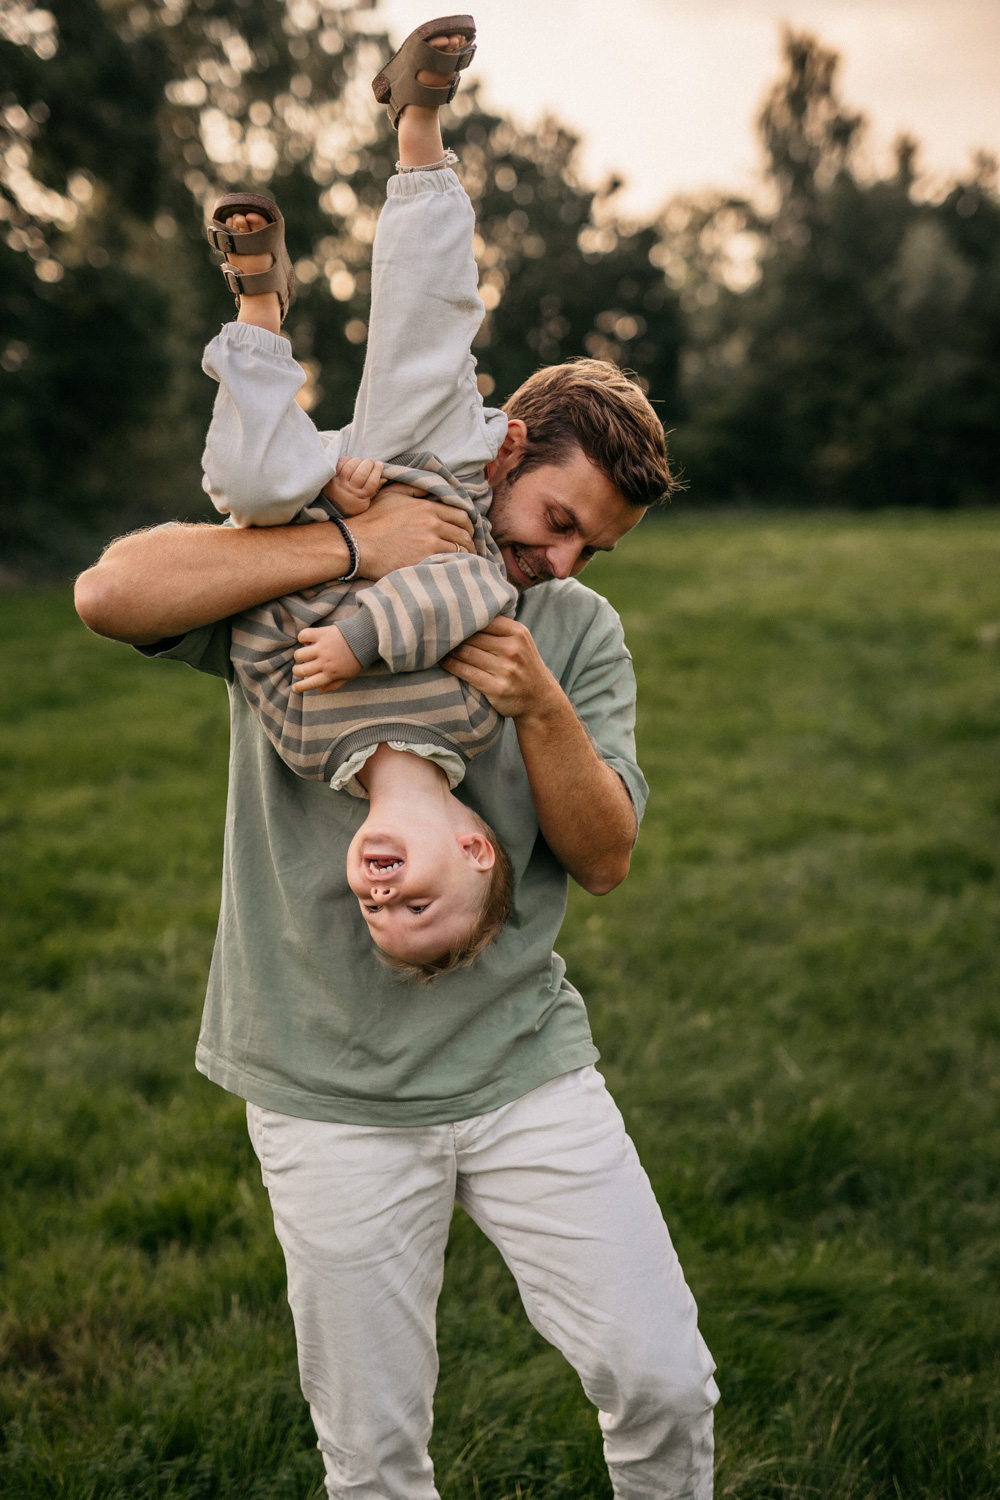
382 865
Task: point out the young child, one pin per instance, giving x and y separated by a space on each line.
385 721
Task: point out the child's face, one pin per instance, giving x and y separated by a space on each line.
421 887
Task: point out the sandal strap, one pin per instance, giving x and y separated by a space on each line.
244 284
409 91
423 55
254 242
396 85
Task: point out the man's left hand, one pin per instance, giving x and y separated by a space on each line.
503 662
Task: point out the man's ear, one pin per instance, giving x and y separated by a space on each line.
478 850
510 451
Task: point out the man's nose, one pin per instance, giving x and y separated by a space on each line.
562 558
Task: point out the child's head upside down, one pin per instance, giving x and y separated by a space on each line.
433 881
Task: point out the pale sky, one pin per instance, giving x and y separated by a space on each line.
666 91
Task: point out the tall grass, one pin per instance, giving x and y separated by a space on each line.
794 994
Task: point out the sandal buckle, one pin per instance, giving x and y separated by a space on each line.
233 278
215 237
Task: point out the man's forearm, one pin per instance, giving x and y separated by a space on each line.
583 809
172 579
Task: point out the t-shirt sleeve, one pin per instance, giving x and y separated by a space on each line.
206 649
600 684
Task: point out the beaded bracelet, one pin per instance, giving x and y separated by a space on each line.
449 159
354 551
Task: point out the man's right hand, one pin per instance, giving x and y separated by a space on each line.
402 526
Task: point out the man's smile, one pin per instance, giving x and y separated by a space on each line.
529 574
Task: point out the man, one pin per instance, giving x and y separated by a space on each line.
374 1105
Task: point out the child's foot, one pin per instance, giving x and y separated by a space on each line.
262 282
263 310
411 86
420 142
249 264
439 80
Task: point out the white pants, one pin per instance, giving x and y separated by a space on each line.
362 1214
264 460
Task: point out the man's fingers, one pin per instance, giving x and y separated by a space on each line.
455 541
460 519
472 675
478 656
397 487
503 625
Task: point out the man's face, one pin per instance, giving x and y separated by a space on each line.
550 522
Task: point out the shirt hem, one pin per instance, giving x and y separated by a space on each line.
398 1113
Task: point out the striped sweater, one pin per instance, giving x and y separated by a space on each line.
398 628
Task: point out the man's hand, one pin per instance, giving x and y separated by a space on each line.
324 661
502 661
402 526
583 809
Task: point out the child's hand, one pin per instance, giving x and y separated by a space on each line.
355 484
324 661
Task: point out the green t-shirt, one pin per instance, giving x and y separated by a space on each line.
300 1015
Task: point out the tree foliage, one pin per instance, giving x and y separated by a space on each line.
123 122
839 342
862 363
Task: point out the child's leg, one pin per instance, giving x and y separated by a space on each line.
420 144
264 459
419 389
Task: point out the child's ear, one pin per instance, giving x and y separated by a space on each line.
478 850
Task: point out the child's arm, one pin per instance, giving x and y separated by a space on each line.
410 619
264 459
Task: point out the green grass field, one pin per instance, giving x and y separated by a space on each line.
795 996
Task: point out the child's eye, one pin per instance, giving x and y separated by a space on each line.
418 909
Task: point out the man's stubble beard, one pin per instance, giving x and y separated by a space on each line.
502 528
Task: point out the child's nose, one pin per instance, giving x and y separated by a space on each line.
382 892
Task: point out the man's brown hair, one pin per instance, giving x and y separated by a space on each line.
592 405
493 916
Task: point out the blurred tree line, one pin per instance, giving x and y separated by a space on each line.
836 341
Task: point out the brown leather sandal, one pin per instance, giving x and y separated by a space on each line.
396 85
280 277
